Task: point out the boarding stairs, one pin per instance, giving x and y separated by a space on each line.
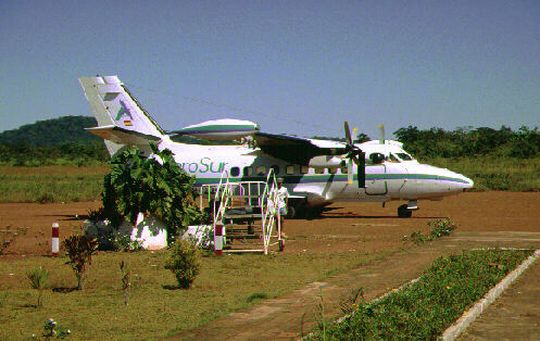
245 210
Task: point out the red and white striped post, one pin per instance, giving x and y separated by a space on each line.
55 242
218 239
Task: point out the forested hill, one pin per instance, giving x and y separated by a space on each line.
67 129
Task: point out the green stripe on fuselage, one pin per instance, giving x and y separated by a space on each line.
295 179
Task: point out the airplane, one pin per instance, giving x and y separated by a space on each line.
315 172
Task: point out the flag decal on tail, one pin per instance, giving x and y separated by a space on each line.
123 111
128 123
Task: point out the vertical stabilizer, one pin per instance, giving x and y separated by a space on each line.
121 119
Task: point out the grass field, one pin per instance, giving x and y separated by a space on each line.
490 173
51 183
155 310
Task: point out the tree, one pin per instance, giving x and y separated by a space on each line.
153 185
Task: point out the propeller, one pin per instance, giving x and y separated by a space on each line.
381 134
356 155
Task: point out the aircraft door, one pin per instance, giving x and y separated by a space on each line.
376 183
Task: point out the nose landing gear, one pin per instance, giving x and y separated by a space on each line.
405 210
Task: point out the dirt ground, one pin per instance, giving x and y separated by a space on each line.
488 218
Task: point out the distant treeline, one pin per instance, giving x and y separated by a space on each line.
470 142
65 141
56 141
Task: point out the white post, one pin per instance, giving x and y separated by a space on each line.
55 242
218 239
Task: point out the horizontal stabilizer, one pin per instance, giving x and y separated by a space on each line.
122 136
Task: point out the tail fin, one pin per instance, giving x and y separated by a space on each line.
121 119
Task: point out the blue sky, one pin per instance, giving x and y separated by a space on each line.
297 67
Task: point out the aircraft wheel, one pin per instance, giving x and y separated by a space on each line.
291 212
403 212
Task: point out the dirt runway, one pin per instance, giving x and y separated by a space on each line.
347 226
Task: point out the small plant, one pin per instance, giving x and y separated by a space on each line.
38 280
418 237
51 330
79 249
256 296
126 283
441 228
184 262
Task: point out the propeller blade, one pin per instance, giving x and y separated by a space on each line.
349 172
348 133
381 132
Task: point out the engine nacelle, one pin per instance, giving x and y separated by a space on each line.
327 161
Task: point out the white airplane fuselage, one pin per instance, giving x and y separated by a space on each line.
320 186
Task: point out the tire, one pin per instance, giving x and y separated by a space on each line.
403 212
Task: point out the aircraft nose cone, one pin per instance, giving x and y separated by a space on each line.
469 184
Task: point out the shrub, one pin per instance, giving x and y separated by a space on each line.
441 228
38 280
52 330
79 249
184 262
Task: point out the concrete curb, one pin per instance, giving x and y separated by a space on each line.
470 315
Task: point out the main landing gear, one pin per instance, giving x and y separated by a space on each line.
405 210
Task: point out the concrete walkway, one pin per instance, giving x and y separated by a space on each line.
515 315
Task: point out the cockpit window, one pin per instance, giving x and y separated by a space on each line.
404 156
393 158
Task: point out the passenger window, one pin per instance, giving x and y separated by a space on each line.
304 169
235 171
332 170
248 171
344 170
319 170
393 158
289 170
261 170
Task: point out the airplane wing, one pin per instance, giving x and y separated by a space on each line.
296 149
289 148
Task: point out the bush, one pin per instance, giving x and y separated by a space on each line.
184 262
79 249
441 228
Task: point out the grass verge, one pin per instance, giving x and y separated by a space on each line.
424 309
155 310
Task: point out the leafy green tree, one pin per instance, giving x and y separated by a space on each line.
153 185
